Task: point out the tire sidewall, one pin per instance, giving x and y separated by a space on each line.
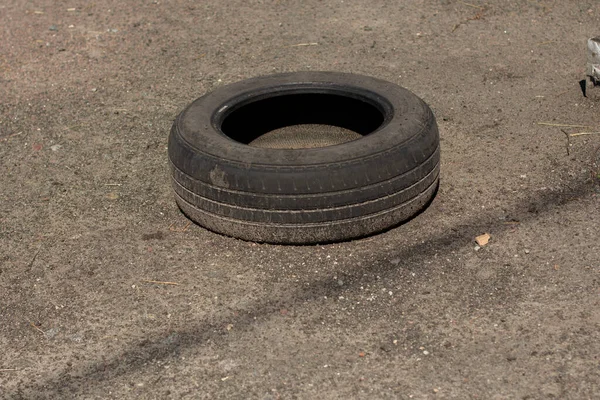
195 125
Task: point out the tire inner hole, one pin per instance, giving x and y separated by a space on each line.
302 120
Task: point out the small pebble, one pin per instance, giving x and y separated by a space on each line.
425 352
55 147
526 251
476 248
51 333
53 28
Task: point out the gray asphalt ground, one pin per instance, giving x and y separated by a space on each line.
107 292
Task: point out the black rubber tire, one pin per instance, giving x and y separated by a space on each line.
309 195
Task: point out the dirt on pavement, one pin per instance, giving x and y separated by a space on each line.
107 292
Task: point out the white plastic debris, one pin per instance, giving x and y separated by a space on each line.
593 58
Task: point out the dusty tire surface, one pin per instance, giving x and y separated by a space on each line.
324 193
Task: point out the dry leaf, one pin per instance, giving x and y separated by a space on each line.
482 240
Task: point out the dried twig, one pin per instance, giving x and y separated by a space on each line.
563 125
583 133
9 136
471 5
172 227
34 257
568 141
304 44
36 328
8 369
161 282
478 16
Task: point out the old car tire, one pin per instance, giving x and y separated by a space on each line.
317 193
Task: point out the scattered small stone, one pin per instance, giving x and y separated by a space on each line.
77 338
526 251
435 390
482 240
56 147
340 282
395 341
476 248
368 28
50 333
395 261
425 352
53 28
